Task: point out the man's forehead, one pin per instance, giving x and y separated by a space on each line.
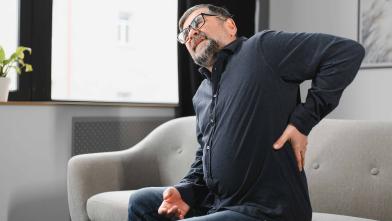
193 15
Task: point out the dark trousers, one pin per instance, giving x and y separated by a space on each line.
144 204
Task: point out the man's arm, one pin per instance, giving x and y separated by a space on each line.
192 187
331 63
190 191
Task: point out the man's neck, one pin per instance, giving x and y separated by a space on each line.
227 43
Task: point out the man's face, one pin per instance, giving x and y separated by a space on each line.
204 44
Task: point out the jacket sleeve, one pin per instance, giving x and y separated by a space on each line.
331 63
192 187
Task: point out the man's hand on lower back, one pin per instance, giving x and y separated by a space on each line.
298 142
173 205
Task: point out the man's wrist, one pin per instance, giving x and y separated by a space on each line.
186 192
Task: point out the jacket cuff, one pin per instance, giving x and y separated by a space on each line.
303 119
186 192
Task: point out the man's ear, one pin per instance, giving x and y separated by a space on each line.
231 26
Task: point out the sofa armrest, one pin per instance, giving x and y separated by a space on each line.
130 169
90 174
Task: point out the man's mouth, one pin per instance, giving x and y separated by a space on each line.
197 43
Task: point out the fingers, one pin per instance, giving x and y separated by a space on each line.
162 209
173 205
298 142
298 157
168 210
281 141
302 158
173 211
180 216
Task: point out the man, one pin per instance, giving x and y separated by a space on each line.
251 130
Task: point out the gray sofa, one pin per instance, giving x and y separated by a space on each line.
348 168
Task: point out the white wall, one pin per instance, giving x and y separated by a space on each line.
368 97
35 145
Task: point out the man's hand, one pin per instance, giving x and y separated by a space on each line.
298 141
172 204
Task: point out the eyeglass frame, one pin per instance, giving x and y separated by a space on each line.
190 26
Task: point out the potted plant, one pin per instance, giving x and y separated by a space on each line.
14 62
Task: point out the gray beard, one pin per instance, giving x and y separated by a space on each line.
207 57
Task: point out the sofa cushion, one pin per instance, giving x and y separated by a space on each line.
109 206
113 206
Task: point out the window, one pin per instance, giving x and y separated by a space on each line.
116 51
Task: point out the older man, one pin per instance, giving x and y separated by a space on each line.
251 130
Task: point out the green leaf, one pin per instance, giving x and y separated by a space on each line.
17 69
20 51
28 68
6 61
2 55
19 54
13 57
21 62
12 62
24 49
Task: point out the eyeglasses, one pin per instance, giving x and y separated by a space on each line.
196 24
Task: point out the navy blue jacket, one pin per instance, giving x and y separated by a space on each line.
243 107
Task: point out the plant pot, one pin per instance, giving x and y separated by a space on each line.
4 88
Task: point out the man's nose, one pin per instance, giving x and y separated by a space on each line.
192 33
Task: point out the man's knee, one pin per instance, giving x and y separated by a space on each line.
145 200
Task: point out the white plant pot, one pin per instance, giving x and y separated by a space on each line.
4 88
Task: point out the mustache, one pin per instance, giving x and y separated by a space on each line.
198 37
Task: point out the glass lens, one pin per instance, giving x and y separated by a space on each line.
183 35
186 33
198 22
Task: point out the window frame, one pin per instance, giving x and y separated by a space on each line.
35 31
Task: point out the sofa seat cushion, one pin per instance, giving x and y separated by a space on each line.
109 206
333 217
113 206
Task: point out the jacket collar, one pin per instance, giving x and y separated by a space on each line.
229 49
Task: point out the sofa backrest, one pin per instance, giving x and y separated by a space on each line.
174 162
349 169
167 152
347 163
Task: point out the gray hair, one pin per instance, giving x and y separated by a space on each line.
222 12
